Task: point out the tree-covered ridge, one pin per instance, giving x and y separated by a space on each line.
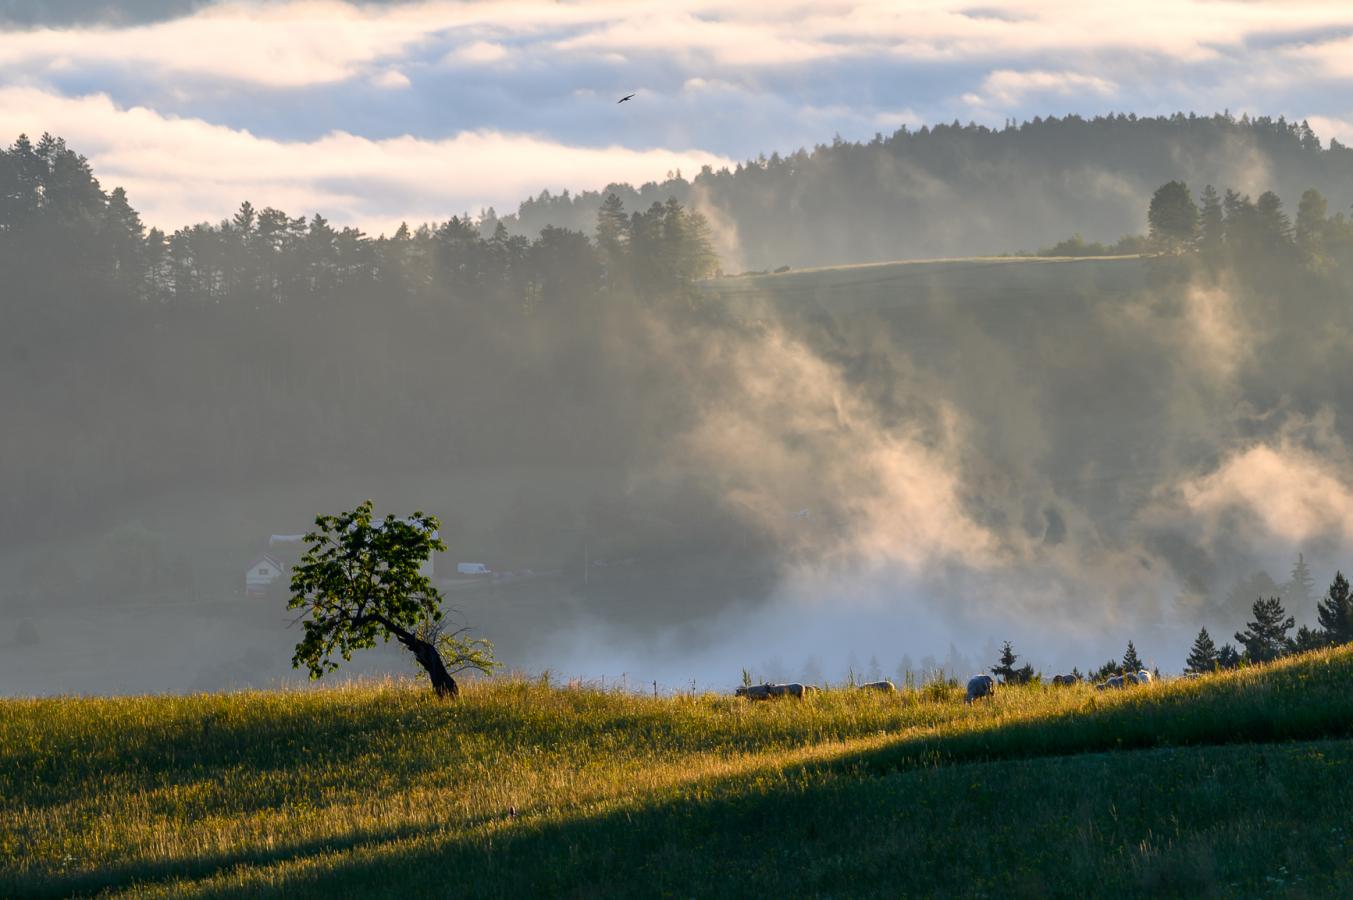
59 226
959 190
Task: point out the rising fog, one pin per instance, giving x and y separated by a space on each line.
877 468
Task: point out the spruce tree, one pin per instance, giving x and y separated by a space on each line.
1005 666
1228 657
1300 588
1335 611
1265 638
1203 656
1131 661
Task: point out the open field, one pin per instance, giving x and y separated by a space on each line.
1236 784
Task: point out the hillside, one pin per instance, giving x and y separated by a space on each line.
958 190
1228 784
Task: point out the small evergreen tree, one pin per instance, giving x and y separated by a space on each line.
1108 670
1228 657
1300 588
1005 666
1131 661
1335 612
1203 656
1265 638
1308 639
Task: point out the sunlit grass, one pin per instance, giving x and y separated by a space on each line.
367 784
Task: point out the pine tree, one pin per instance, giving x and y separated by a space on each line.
1131 661
1203 656
1335 611
1005 667
1228 657
1108 670
1300 589
1307 639
1265 638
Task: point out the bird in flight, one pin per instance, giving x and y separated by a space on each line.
624 98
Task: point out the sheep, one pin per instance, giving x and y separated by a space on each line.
883 687
1068 680
980 686
767 691
1114 682
1144 677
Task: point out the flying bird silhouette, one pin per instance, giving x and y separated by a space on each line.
624 98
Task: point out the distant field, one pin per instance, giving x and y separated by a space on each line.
1232 785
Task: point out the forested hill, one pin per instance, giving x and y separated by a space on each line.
957 190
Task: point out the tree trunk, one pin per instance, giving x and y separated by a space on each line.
431 661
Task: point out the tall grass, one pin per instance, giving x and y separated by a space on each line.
282 790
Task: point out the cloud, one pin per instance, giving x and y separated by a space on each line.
1281 490
180 170
1006 87
392 79
478 53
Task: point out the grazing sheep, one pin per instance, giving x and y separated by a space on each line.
1113 683
767 691
1065 680
884 687
980 686
1144 677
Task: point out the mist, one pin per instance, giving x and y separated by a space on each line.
877 470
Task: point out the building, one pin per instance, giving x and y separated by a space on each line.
262 574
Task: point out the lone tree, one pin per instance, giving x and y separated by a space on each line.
1131 661
360 580
1335 611
1203 656
1005 667
1265 638
1173 217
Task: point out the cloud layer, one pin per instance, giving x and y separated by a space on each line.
715 80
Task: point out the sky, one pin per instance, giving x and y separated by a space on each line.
373 113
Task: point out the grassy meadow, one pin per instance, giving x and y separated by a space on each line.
1232 785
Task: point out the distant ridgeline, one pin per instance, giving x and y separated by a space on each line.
955 190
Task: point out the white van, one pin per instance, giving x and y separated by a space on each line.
473 569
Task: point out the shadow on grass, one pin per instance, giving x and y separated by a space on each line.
1192 822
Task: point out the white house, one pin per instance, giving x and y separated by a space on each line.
261 574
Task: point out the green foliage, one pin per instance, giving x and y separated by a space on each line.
360 581
459 651
1131 661
1005 668
1265 638
1335 611
1203 656
1109 669
1308 639
1173 217
1228 657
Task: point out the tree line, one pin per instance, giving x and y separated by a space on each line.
953 189
264 346
1266 637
